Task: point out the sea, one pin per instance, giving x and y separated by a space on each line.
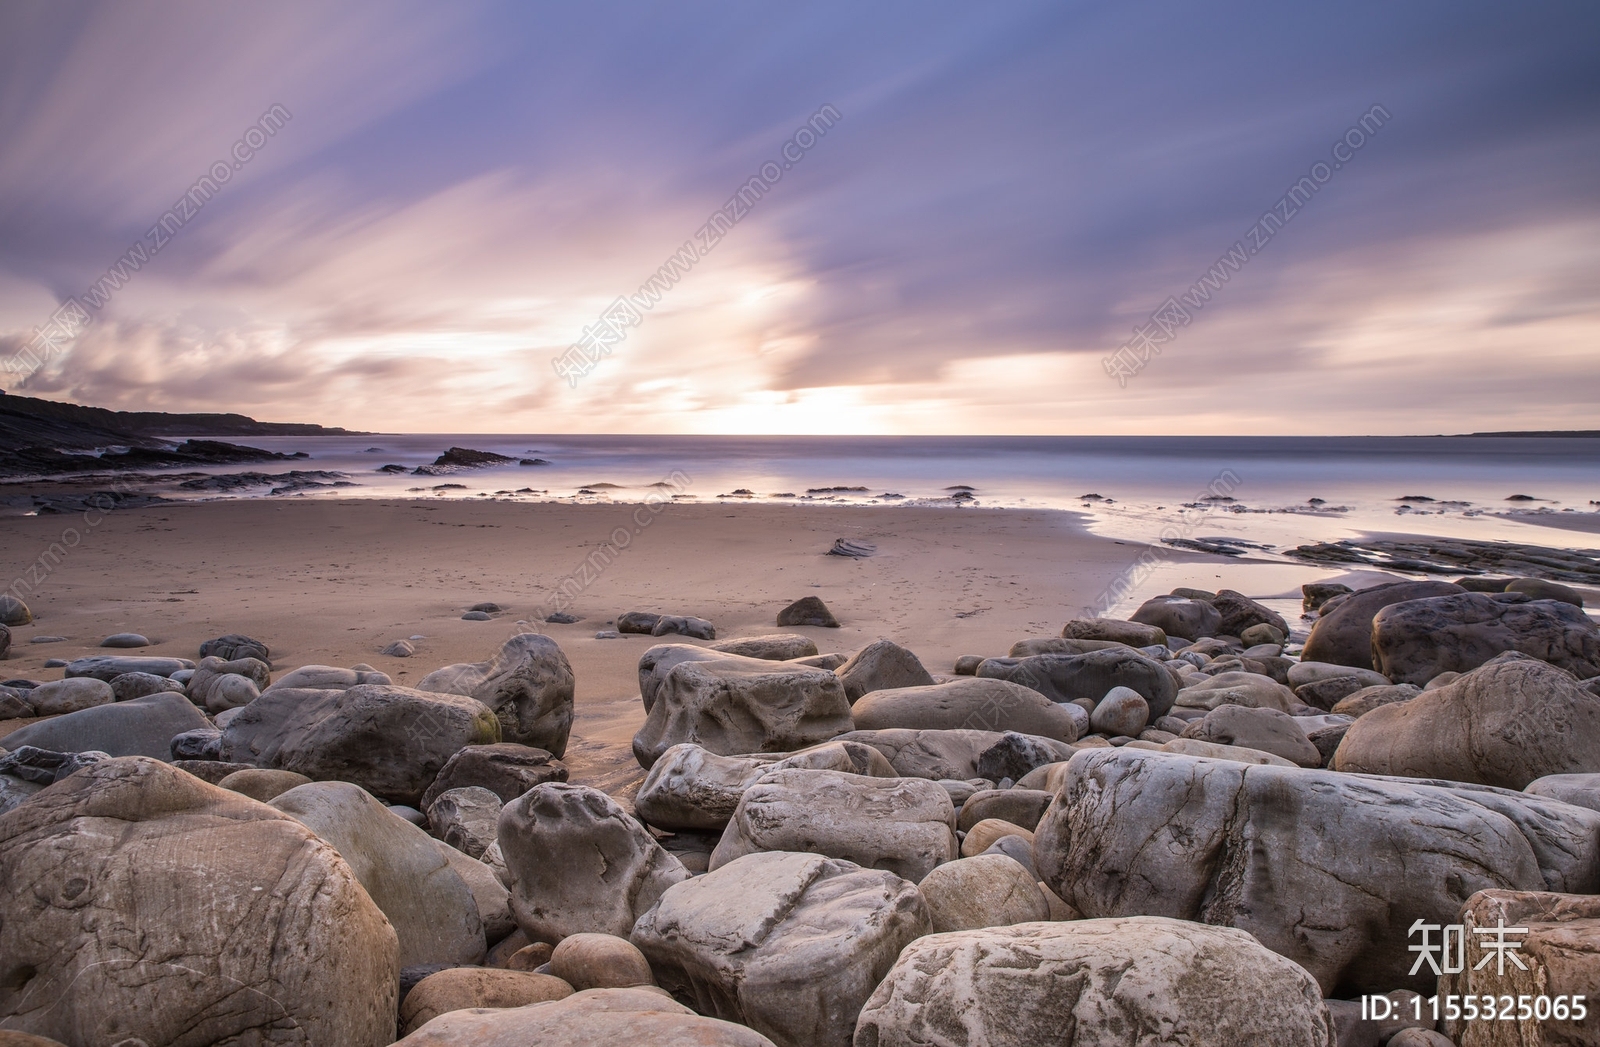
1266 494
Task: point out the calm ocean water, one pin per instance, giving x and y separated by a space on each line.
1364 482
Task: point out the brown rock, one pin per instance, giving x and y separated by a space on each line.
459 988
600 961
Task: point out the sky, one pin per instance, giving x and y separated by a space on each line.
405 216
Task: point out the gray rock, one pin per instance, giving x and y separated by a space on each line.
1507 723
434 914
970 703
933 755
1263 638
1014 755
14 790
234 646
986 890
637 622
1414 641
13 611
585 1019
1237 688
504 768
881 665
1180 616
1359 703
477 616
1240 613
327 678
14 704
775 647
399 649
1543 589
1305 672
693 789
69 696
202 743
1135 981
1019 848
1134 634
466 818
748 705
488 893
1580 790
528 685
1327 740
5 642
42 767
218 684
1018 806
137 685
1343 634
903 825
579 862
1265 729
1268 850
232 918
1088 676
1326 693
392 741
683 625
108 667
790 945
125 640
1122 712
1315 594
138 727
808 610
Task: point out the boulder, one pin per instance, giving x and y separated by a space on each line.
14 790
1544 589
1507 723
986 833
138 685
13 611
808 610
1123 712
433 912
971 703
788 944
1306 860
504 768
1305 672
108 667
600 961
775 647
490 895
391 741
1326 693
987 890
1314 594
69 696
1264 638
234 646
143 905
637 622
1218 751
578 862
1094 983
1251 690
139 727
125 640
903 825
881 665
933 755
743 706
1014 755
1265 729
528 685
1559 955
467 818
693 789
1016 805
1343 634
203 744
461 988
1580 790
598 1016
218 684
1134 634
1180 616
1088 676
684 625
1359 703
1240 614
327 678
262 784
1414 641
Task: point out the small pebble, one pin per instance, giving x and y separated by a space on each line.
48 639
475 616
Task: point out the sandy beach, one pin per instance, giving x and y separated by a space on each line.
334 582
